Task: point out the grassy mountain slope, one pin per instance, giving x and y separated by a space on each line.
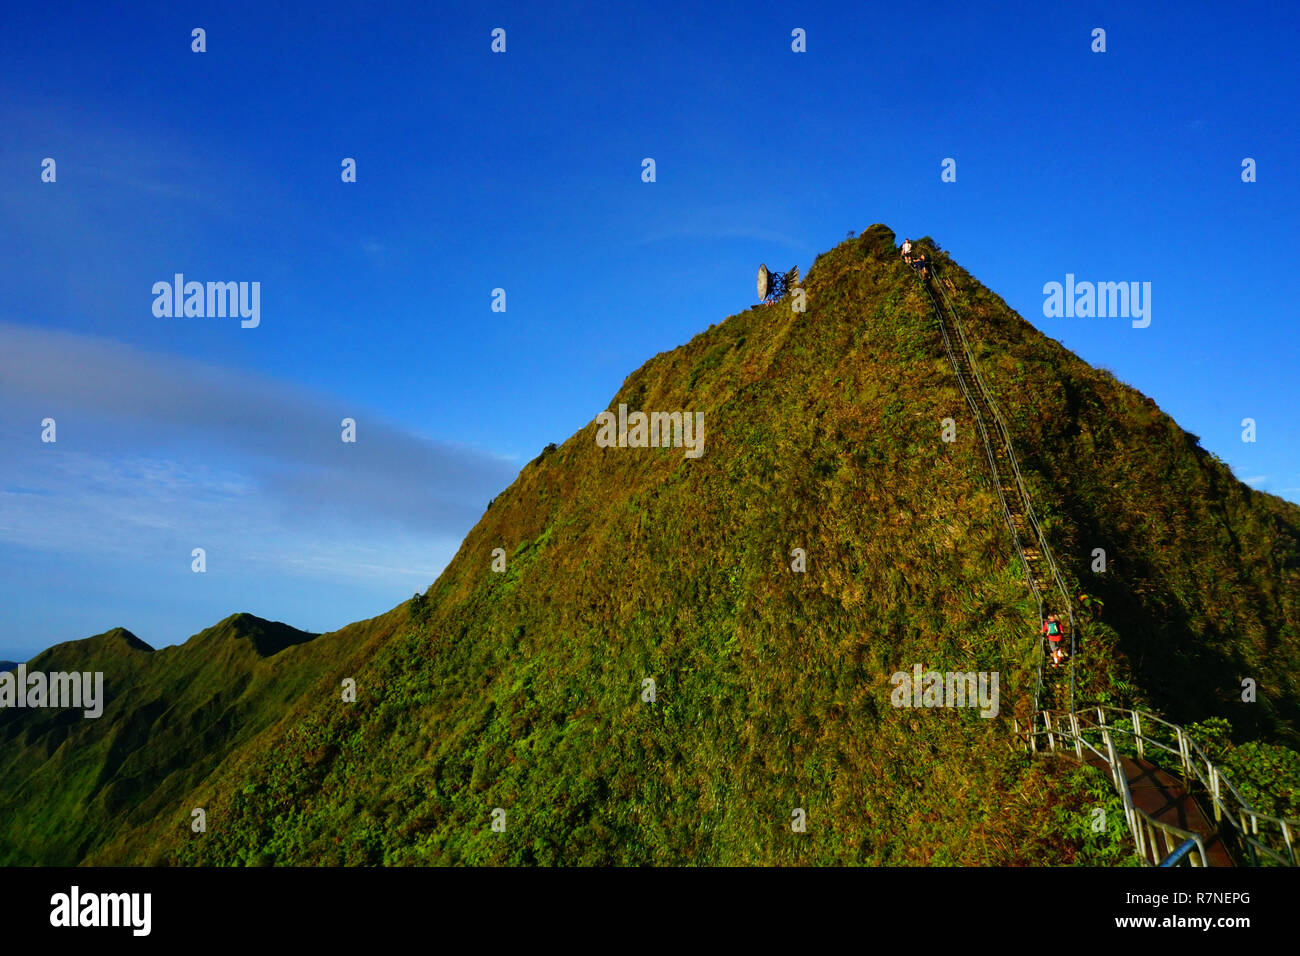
523 690
170 717
1202 584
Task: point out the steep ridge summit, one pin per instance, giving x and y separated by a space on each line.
638 656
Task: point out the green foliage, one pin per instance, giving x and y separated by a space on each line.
523 690
1089 813
419 609
170 718
1266 774
878 242
1213 735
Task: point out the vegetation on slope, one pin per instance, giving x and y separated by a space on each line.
1202 580
68 784
525 691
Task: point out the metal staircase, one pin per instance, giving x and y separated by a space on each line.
1054 688
1163 808
1158 807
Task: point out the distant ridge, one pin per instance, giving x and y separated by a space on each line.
267 638
171 716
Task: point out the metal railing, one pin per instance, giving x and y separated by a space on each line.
1044 549
1003 436
1180 854
1263 838
1000 423
988 448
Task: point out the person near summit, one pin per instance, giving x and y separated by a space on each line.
1052 628
907 251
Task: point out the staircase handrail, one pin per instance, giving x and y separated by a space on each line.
1228 803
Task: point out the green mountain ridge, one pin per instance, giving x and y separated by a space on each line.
524 691
171 716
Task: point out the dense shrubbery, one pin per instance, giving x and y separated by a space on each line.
1267 775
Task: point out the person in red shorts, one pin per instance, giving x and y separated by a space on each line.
1055 633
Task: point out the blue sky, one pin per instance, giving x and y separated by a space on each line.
522 170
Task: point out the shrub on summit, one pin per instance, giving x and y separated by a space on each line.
878 242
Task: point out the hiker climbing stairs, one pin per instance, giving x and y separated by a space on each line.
1166 812
1055 685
